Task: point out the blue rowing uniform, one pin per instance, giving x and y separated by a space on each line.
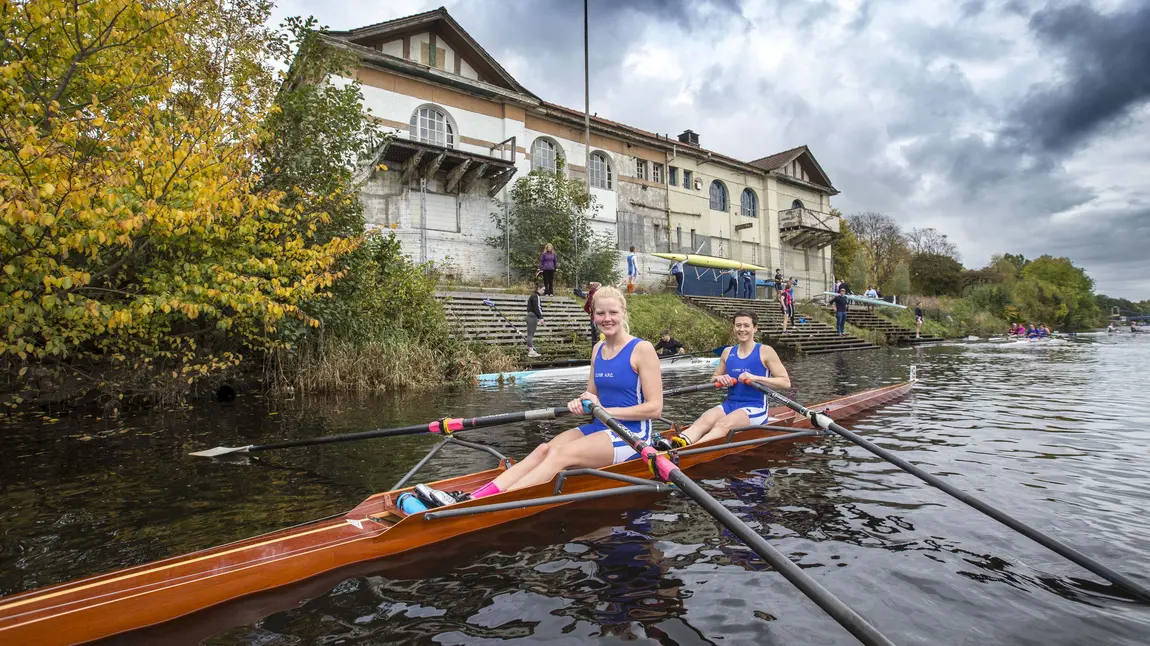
741 395
618 386
632 265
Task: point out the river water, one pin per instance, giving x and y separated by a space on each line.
1054 434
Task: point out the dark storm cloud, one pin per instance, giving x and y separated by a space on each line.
1107 72
935 119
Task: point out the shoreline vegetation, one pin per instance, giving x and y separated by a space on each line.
195 224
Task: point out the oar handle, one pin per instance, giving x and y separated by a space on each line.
667 471
823 421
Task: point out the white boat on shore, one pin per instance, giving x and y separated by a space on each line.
679 362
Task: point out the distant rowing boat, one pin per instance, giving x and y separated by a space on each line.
710 262
679 362
868 301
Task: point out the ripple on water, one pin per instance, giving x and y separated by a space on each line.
1011 424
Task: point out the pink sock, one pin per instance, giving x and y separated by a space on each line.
489 489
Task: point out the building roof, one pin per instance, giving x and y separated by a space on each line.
496 75
439 18
776 161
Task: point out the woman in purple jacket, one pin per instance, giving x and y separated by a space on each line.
548 263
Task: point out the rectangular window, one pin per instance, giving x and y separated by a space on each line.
672 176
641 168
657 173
687 179
693 245
678 235
432 57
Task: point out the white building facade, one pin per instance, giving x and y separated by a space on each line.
464 129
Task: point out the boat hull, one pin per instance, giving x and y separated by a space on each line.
710 262
666 364
869 301
147 595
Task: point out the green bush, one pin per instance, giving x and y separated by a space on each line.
699 331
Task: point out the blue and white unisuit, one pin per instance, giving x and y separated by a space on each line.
618 386
741 395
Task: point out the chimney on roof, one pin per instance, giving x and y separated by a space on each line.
689 137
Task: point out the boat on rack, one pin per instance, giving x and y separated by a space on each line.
666 364
709 262
117 602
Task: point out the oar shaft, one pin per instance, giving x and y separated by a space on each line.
453 424
826 423
667 471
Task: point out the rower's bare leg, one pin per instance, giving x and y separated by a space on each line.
701 426
508 478
721 427
590 451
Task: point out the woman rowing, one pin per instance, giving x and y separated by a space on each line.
624 379
739 366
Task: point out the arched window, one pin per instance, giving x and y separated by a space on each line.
750 204
600 170
431 125
545 155
797 204
718 196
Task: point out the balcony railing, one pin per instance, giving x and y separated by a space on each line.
808 219
807 229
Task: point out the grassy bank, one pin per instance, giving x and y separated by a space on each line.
699 331
949 317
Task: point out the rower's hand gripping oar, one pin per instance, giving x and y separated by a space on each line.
667 471
445 426
824 422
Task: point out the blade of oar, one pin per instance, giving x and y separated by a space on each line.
437 426
823 421
665 470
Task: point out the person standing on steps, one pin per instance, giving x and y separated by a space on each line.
592 287
548 265
839 305
787 304
918 321
632 271
748 283
534 318
677 272
730 283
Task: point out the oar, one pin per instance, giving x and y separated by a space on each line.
821 420
666 471
490 303
445 425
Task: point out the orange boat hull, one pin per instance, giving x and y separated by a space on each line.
109 604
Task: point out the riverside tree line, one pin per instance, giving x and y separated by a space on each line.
921 265
176 210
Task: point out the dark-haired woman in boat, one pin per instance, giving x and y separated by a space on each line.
624 379
739 366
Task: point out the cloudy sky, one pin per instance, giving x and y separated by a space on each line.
1010 125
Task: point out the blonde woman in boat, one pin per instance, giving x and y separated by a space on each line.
739 366
624 379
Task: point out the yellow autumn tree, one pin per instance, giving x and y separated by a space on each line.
138 245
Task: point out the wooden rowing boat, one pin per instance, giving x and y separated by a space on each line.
150 594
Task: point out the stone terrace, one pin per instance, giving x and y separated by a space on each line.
811 337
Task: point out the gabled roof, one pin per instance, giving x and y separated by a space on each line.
441 22
774 162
